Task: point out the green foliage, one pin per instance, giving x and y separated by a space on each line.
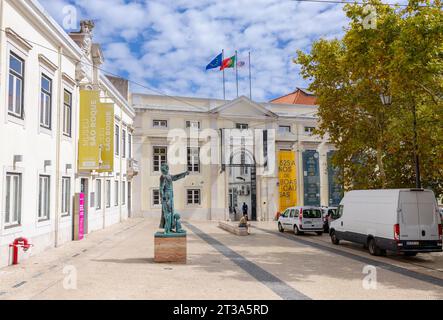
403 57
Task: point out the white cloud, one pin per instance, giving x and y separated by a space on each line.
167 44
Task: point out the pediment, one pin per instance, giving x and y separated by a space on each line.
243 107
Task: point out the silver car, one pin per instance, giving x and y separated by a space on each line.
301 219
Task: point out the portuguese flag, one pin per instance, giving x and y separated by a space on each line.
228 63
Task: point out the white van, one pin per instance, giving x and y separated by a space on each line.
395 220
301 219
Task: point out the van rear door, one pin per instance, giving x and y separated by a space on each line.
409 218
427 209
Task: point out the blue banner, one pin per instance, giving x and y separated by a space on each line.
311 178
335 187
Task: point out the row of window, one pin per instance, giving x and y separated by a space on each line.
193 197
126 142
163 124
108 192
13 198
160 156
16 99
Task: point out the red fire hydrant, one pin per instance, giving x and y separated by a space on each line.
19 243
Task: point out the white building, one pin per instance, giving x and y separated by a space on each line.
37 127
42 70
108 195
249 169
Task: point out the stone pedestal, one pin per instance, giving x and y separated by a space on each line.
170 248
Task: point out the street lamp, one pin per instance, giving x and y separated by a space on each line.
387 101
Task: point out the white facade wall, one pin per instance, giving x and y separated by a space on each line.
24 136
212 180
44 47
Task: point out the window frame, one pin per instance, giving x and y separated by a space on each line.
159 125
194 192
117 139
157 168
15 200
42 197
123 192
116 193
16 76
108 193
66 203
124 143
98 194
191 161
45 106
67 133
188 124
153 197
280 127
129 145
309 130
242 126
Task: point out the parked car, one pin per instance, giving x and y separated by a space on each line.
404 220
328 217
301 219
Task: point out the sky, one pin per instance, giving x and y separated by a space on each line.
165 45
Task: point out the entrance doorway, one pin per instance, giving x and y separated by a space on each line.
242 191
129 199
242 185
84 188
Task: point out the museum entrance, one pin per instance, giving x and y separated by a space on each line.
242 188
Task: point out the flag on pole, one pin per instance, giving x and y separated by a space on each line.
228 63
241 64
216 62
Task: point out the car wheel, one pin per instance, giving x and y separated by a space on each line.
319 233
296 231
410 254
334 238
373 248
280 227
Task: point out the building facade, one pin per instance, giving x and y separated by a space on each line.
107 194
238 152
42 72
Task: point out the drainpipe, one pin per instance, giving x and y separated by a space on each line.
120 187
57 149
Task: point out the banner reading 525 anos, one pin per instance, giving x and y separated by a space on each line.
287 179
96 144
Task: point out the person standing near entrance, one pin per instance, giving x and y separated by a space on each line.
245 209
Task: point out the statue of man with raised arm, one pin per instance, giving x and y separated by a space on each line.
170 220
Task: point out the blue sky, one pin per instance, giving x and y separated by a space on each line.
166 45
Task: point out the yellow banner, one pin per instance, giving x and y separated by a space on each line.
88 146
96 141
287 168
106 137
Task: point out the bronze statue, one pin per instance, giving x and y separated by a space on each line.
170 220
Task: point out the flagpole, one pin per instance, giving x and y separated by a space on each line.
250 77
224 87
236 69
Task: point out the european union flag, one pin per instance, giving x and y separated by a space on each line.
216 63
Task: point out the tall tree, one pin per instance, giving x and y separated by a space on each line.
400 54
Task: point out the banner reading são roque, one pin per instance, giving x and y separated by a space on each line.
96 139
